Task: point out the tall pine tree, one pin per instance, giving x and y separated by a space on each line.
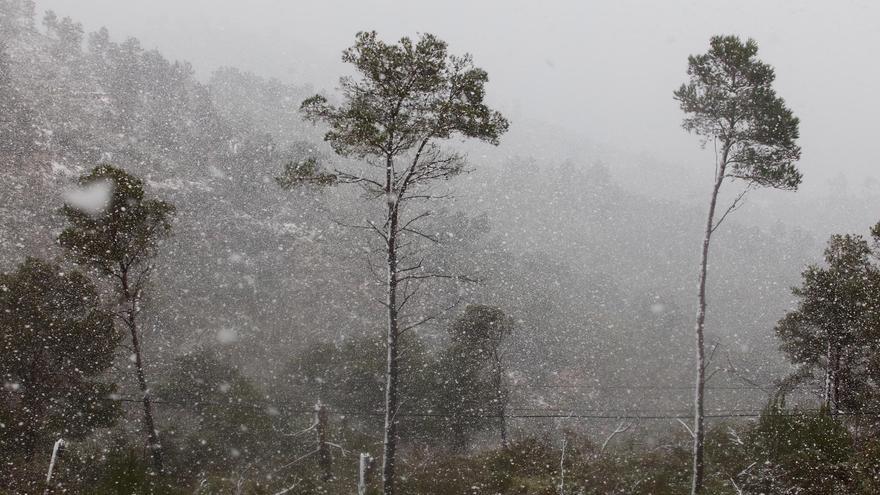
404 102
730 101
117 232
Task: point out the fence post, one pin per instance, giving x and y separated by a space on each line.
365 467
57 450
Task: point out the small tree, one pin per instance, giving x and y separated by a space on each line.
474 390
798 452
730 101
834 328
406 99
56 342
116 232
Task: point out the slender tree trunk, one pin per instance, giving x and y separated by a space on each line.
832 378
501 397
504 442
699 393
829 376
389 445
149 423
325 459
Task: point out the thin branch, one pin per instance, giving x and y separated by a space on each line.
376 277
735 205
427 196
344 452
712 374
732 370
461 278
310 428
712 352
746 470
413 267
429 237
289 488
709 361
736 487
429 318
370 226
686 427
291 463
416 219
407 297
622 427
347 178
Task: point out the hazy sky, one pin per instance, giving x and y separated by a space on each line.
603 69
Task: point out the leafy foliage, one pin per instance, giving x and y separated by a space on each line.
306 170
408 93
799 452
473 391
408 96
56 343
730 98
126 231
835 326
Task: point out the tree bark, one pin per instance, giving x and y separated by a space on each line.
149 423
829 374
501 395
504 442
832 378
389 444
699 393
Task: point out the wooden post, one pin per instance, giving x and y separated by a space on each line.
365 468
57 450
325 459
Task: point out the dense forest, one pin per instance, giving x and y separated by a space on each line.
234 285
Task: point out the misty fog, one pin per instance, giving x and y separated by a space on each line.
210 284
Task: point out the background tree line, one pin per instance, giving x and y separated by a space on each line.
246 257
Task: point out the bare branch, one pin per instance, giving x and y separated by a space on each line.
289 488
416 219
734 205
732 370
407 297
298 459
344 452
622 427
736 487
429 237
686 427
427 196
370 226
460 278
712 352
347 178
411 268
429 318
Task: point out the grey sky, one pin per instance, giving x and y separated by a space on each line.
602 69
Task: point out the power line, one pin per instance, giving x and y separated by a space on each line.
644 387
647 414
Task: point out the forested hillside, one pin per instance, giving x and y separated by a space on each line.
549 351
